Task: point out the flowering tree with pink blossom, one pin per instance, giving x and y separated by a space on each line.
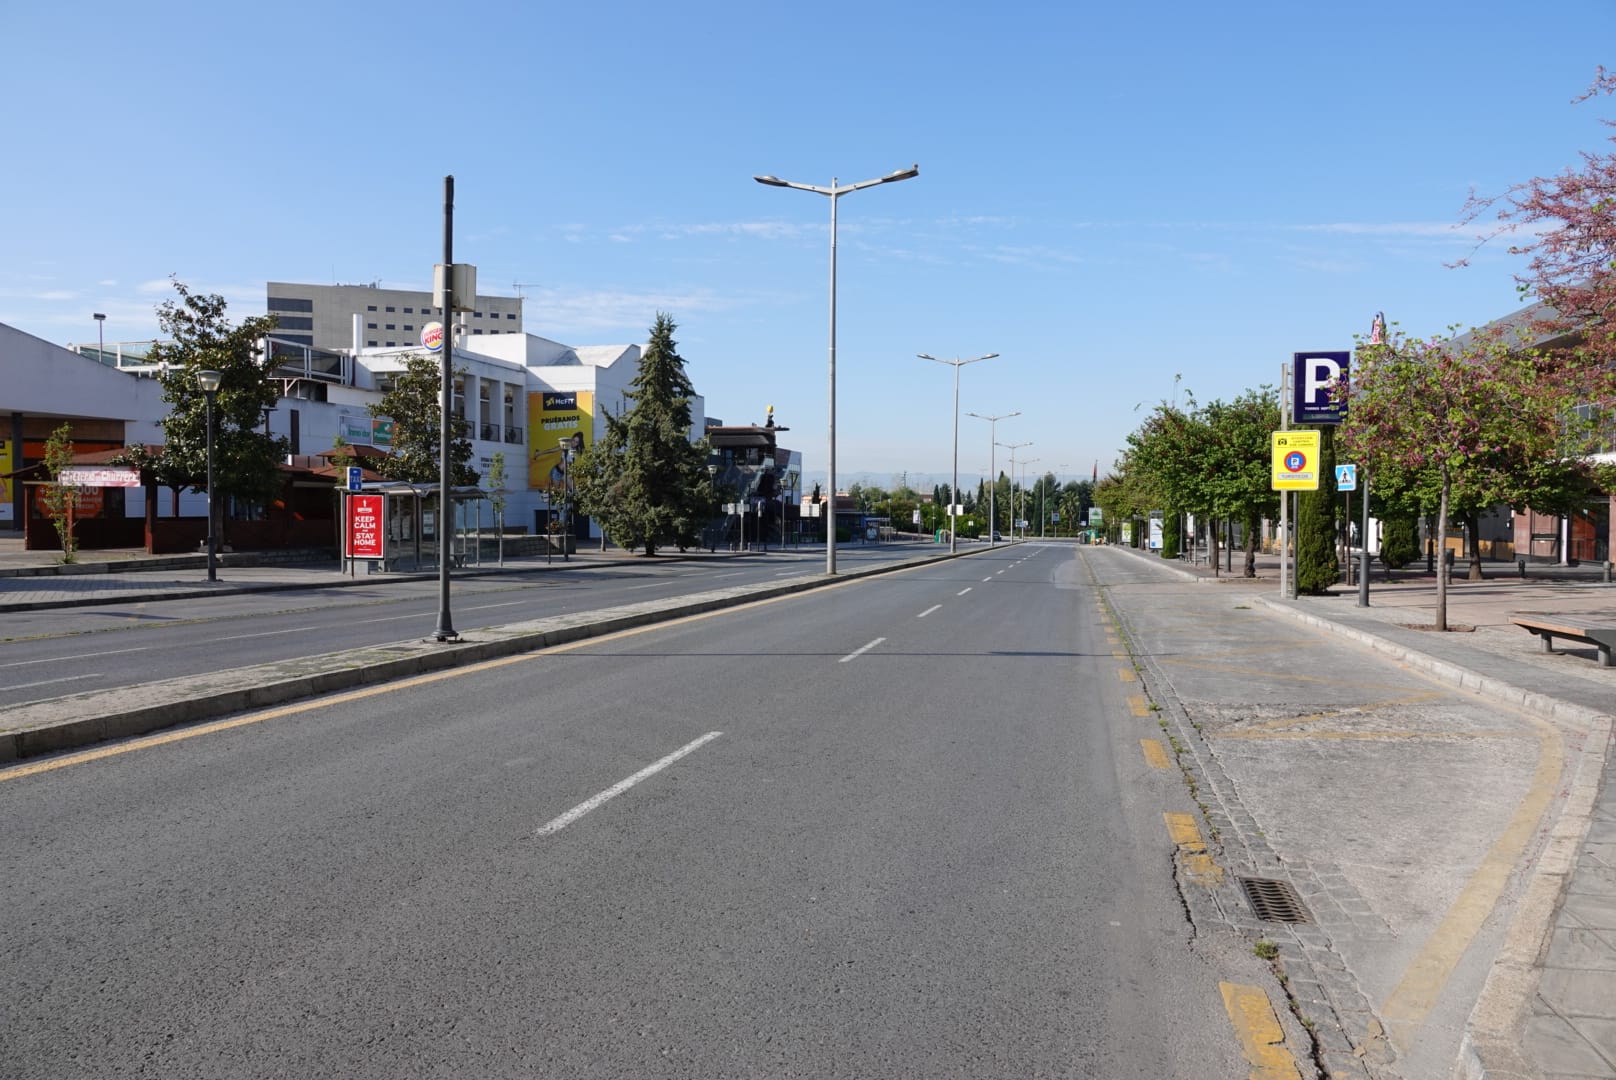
1568 223
1475 419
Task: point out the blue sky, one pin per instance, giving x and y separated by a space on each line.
1110 196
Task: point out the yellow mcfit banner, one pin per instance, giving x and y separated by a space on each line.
554 416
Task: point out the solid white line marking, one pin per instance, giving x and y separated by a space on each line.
735 573
47 682
268 633
963 591
928 611
621 786
484 607
860 652
58 659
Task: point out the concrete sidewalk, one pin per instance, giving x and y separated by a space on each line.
1548 1009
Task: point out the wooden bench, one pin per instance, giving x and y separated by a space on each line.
1596 630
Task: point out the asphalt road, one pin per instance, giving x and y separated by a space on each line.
52 652
909 833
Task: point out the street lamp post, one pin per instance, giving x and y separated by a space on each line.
209 382
1023 514
834 193
1013 447
712 493
100 337
566 497
993 426
953 491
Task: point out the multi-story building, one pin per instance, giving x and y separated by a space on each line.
323 316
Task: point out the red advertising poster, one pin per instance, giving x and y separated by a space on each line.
366 532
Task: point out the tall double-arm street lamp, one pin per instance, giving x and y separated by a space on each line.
993 468
1023 514
209 382
834 193
953 491
1013 447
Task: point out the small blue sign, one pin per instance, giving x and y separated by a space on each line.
356 481
1346 478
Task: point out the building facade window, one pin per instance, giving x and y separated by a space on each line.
287 303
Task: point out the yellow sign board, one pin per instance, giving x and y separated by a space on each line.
1295 460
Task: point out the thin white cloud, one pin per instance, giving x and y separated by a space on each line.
1387 228
571 312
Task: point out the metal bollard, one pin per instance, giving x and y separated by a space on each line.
1522 564
1607 571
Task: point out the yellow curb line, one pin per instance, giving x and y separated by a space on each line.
1262 1040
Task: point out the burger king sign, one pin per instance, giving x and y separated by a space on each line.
432 337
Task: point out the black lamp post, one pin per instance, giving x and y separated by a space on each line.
566 495
209 382
712 490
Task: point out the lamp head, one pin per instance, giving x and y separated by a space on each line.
209 381
772 181
902 174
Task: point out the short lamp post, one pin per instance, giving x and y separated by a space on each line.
209 382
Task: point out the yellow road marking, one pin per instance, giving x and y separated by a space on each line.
1118 654
1155 754
1199 865
1370 736
1126 674
1416 994
1183 831
1262 1040
1138 705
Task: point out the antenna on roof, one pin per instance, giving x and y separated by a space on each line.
520 285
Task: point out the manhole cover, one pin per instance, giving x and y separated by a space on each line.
1274 901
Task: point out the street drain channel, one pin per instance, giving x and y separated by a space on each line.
1274 901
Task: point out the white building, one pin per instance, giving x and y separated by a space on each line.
520 396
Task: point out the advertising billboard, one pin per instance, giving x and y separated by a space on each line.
367 526
551 417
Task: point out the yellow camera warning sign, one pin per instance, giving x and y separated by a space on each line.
1295 460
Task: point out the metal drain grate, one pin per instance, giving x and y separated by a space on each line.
1274 901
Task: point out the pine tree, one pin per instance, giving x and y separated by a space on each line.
645 481
1399 539
1317 566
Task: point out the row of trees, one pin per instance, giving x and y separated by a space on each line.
1445 427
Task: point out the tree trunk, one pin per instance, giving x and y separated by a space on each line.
1251 545
1473 523
1212 544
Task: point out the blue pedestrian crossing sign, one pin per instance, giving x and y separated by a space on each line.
356 478
1346 478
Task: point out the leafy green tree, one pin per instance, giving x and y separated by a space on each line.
60 498
412 403
246 460
1172 534
645 481
1237 469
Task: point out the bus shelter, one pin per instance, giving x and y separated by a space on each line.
393 526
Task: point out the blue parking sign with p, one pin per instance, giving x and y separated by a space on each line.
1313 379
